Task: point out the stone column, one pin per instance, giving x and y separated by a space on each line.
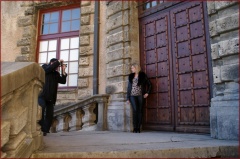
89 117
122 49
224 32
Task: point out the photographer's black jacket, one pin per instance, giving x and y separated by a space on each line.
143 81
52 78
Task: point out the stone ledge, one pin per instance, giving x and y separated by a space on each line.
16 74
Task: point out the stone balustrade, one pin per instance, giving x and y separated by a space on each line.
20 86
87 114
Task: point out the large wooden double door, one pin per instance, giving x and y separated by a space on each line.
175 57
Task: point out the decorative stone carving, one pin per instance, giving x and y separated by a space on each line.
89 116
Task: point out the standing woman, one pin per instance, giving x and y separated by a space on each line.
136 93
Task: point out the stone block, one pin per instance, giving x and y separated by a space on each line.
216 75
214 51
211 7
84 61
229 47
5 132
23 58
119 117
25 50
24 42
87 29
213 28
25 21
115 23
230 72
29 31
15 142
86 50
83 93
84 40
83 82
114 8
231 88
233 59
223 4
29 11
64 95
85 20
87 10
117 38
126 4
228 23
85 72
19 121
85 3
116 71
115 55
125 17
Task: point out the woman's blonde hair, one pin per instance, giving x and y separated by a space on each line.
137 66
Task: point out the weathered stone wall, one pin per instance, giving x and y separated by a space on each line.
122 49
10 33
224 33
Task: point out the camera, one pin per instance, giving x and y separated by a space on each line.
61 64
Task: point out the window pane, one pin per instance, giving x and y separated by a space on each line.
43 46
74 43
53 28
147 5
46 18
65 26
54 17
76 13
52 45
64 55
64 44
42 58
51 55
74 55
154 3
73 80
45 29
66 15
75 25
73 67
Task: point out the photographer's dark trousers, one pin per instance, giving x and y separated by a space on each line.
47 114
137 104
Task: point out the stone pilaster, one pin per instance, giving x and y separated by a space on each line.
86 50
122 49
224 31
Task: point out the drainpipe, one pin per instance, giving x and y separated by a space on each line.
96 49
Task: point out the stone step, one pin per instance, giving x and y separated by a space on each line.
106 144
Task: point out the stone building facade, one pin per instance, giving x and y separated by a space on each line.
119 46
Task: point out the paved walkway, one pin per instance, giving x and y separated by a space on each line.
105 144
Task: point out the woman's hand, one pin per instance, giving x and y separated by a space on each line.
145 95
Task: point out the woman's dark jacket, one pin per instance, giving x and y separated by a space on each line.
143 81
52 78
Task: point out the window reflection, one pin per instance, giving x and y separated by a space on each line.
75 25
66 15
54 17
66 26
76 13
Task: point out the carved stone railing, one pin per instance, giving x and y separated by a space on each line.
87 114
20 86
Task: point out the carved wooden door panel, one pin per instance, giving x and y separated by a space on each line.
174 55
156 62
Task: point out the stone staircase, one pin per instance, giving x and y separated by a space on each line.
109 144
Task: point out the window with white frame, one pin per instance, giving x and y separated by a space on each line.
59 38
